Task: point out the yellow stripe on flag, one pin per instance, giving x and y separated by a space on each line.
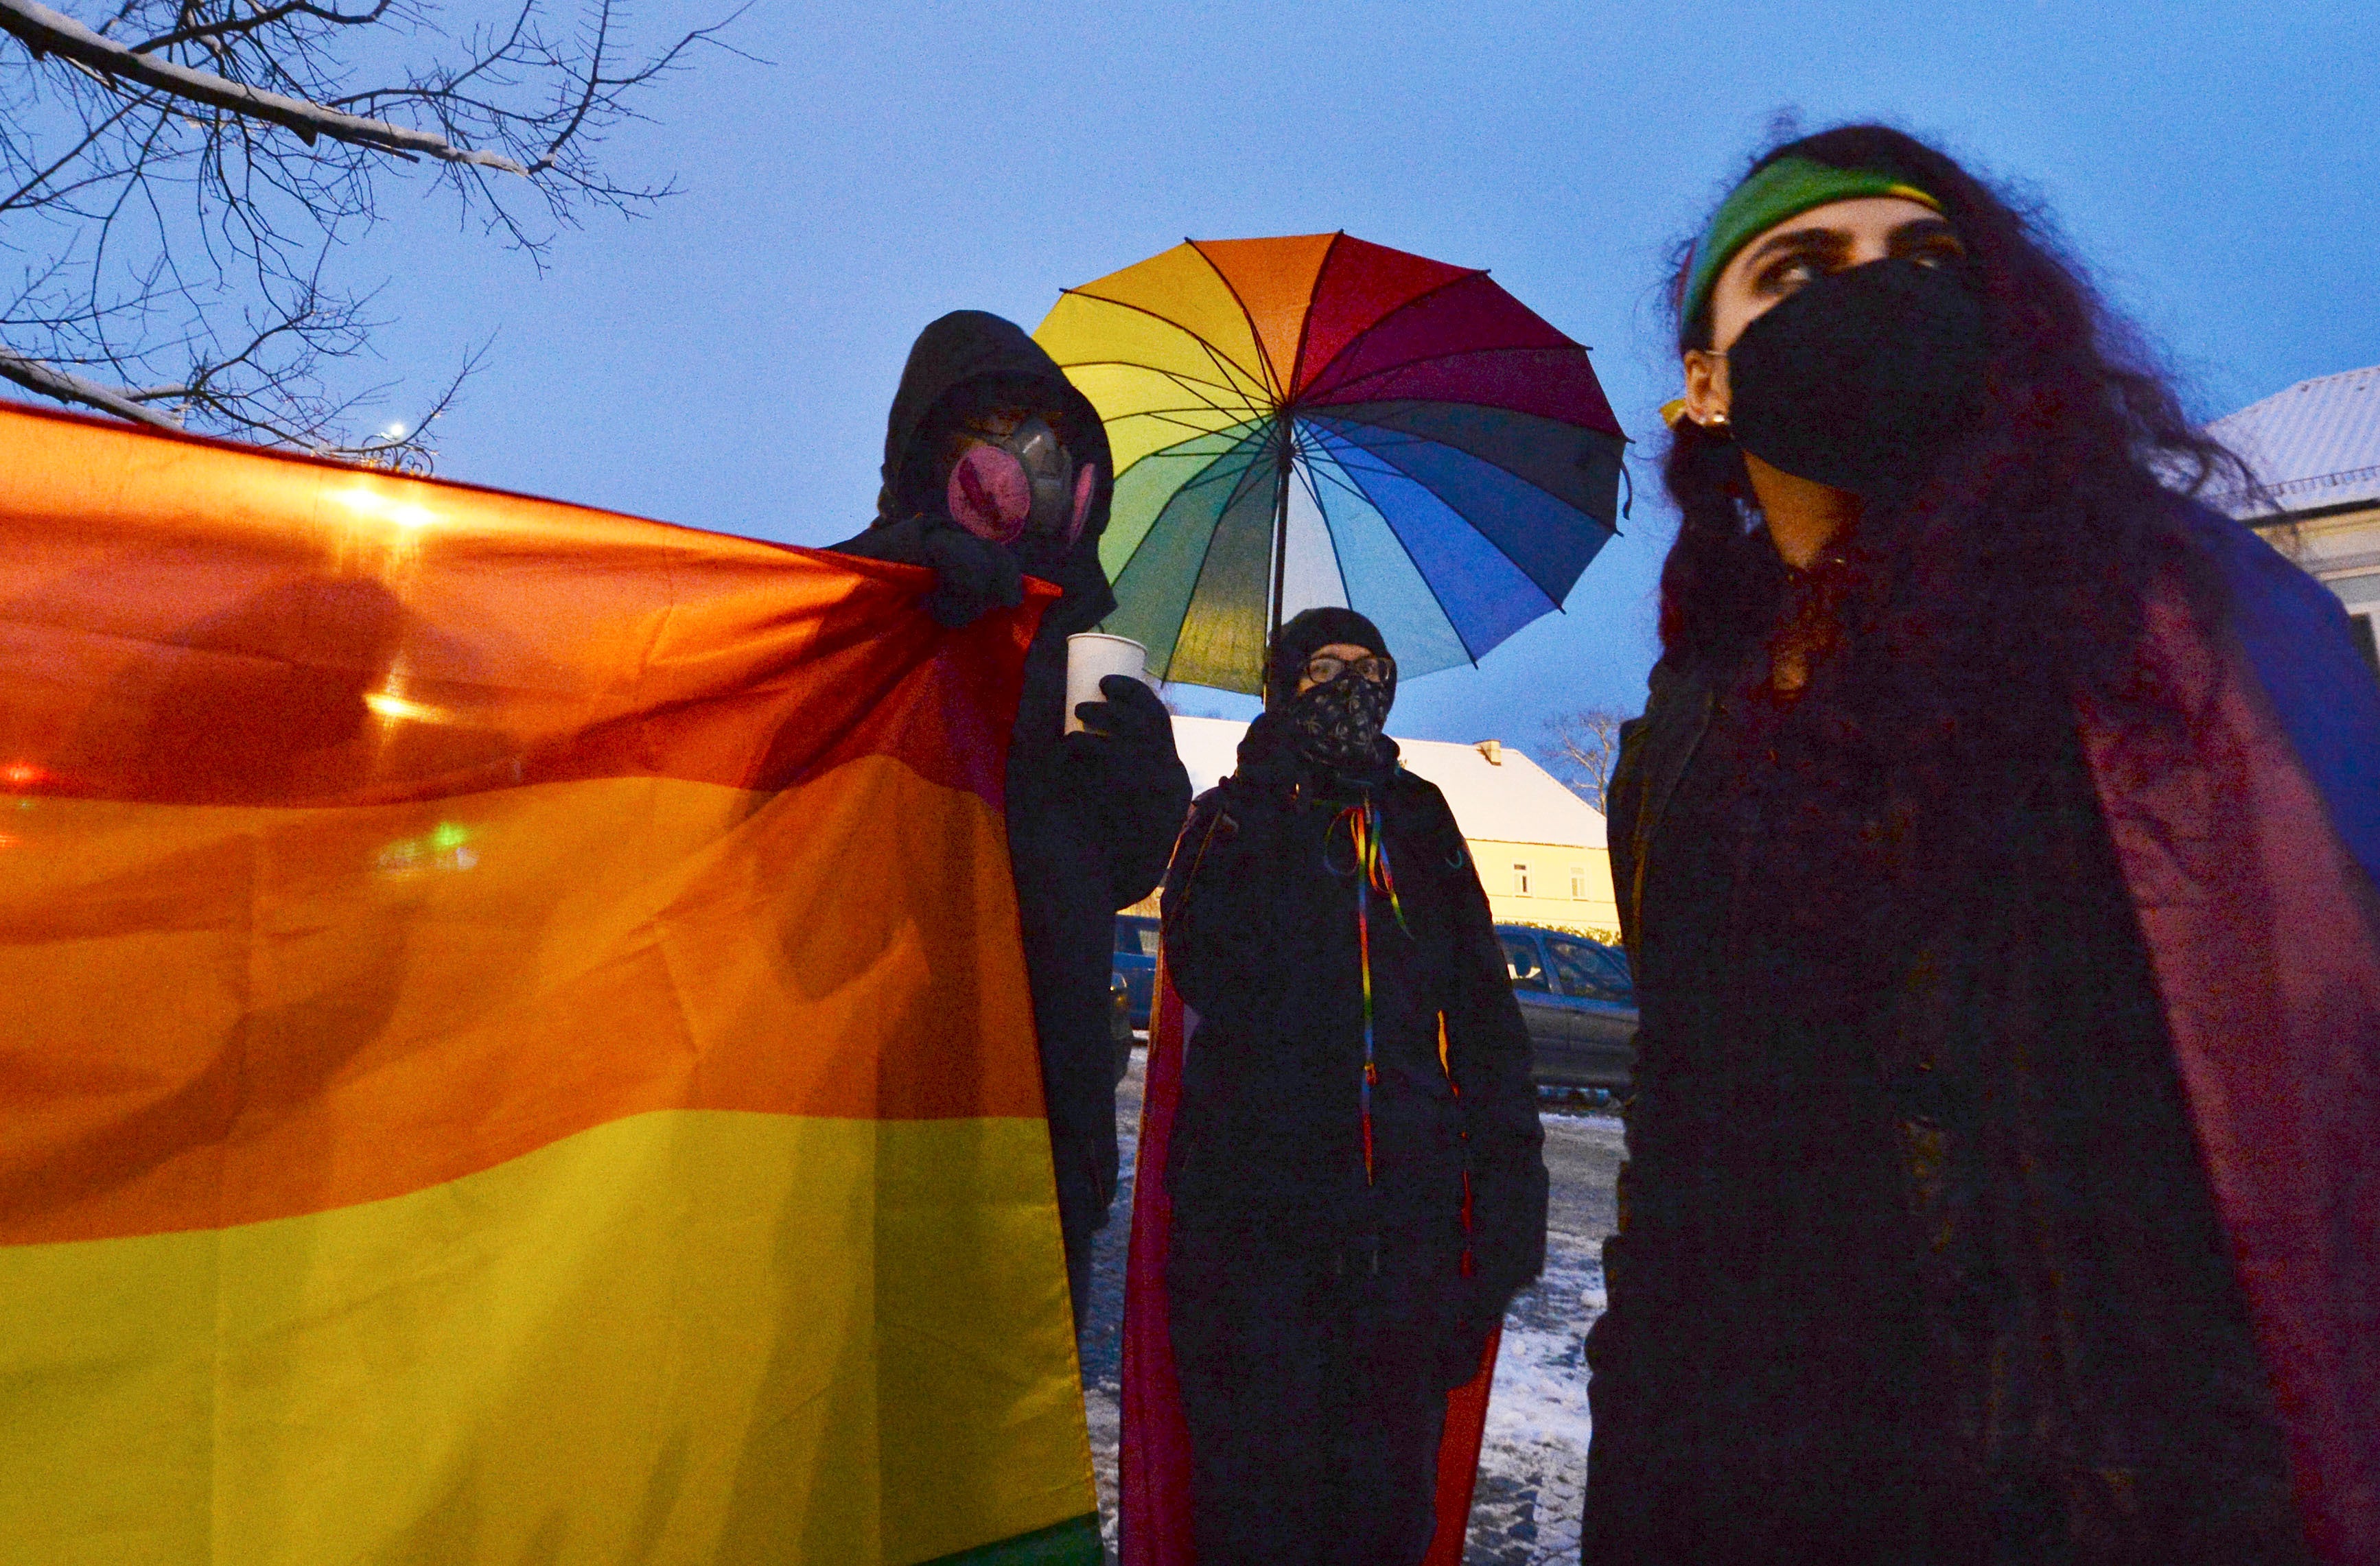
685 1336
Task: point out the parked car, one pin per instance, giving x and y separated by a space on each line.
1580 1004
1135 958
1120 1023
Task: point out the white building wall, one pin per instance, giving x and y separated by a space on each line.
1511 811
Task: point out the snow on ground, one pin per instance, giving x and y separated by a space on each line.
1533 1465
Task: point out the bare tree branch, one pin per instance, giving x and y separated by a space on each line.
45 33
223 25
35 376
1585 748
175 203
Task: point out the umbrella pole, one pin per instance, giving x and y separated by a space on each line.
1280 536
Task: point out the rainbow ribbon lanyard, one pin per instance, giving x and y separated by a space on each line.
1371 872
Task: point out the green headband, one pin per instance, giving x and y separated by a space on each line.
1785 189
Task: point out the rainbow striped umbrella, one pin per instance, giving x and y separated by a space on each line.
1315 420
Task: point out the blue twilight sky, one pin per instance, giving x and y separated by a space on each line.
726 362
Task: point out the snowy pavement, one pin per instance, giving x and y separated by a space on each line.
1534 1463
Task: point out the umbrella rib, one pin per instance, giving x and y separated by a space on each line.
1305 326
1207 474
1247 472
1209 404
1172 420
1403 364
1192 384
1330 415
1212 461
1431 292
1238 492
1250 416
1203 476
1444 613
1474 526
1343 483
1194 429
1306 471
1220 359
1264 361
1175 376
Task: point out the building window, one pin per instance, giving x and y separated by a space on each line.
1578 883
1519 880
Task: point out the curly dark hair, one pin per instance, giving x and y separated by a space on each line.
2016 574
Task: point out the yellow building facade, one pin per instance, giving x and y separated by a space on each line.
1538 847
1567 885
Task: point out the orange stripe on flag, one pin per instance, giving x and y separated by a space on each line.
214 1015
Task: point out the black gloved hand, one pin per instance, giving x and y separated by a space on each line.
1269 757
1126 741
971 577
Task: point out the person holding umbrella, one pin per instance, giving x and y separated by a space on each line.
1996 859
1300 420
1355 1171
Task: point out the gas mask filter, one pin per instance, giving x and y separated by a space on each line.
1015 483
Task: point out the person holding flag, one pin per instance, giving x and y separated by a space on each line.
996 469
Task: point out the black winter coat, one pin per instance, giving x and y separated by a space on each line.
1083 841
1262 938
1917 1261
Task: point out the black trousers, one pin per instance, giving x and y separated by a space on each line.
1079 1241
1314 1379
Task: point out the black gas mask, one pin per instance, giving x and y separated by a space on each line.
1014 482
1861 379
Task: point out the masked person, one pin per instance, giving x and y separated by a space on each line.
1355 1166
1986 1195
995 469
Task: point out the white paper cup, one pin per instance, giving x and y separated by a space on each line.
1092 656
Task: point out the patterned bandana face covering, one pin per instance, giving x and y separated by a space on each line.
1784 190
1339 724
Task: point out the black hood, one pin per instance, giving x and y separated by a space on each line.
1303 634
954 358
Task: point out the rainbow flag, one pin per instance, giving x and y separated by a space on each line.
513 1040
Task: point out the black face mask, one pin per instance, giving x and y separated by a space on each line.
1861 379
1338 724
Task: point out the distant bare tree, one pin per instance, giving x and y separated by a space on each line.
176 177
1586 746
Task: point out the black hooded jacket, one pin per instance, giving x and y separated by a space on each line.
1262 938
1090 822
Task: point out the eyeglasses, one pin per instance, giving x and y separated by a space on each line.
1379 670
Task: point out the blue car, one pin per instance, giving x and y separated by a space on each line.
1580 1003
1136 959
